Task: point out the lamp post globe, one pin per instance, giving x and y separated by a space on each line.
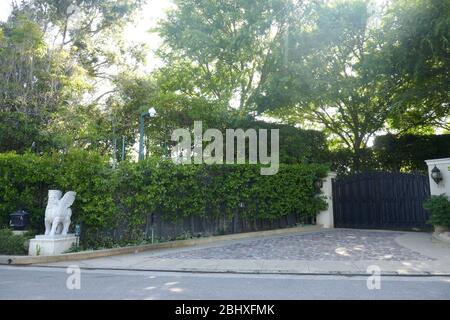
152 112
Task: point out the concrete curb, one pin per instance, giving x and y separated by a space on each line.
28 260
262 272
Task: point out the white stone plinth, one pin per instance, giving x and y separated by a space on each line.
51 245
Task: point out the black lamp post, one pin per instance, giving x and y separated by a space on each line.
436 175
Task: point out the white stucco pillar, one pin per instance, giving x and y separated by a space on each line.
444 185
326 218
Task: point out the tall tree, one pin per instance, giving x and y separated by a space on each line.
414 57
221 49
322 75
36 82
55 58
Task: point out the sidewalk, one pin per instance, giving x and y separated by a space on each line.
339 251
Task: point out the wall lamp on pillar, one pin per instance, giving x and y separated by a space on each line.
318 184
436 175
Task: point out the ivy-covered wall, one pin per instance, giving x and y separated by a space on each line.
109 200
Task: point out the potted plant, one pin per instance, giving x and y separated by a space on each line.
439 208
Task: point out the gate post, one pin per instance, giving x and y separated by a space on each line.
444 185
326 218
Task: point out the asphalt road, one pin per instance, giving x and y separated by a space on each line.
31 283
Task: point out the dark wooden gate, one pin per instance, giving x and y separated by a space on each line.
381 200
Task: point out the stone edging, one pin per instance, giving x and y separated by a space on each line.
438 237
28 260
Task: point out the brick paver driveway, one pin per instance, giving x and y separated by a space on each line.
340 251
336 245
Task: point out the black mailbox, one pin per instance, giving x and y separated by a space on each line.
19 220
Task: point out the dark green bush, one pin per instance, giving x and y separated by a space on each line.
25 181
18 131
406 153
183 191
109 200
343 161
439 208
296 145
11 244
89 175
409 152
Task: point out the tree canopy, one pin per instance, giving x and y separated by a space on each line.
414 57
331 73
222 49
323 75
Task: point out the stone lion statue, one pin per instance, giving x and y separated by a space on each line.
58 212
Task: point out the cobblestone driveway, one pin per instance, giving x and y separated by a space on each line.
338 245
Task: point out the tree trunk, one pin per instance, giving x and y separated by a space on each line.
357 159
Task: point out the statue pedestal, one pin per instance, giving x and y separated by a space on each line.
51 245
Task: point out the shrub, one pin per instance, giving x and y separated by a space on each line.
122 199
18 130
409 152
406 153
25 181
11 244
178 192
439 208
89 175
343 161
198 190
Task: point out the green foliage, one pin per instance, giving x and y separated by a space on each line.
92 33
413 60
122 199
181 110
221 49
347 67
18 133
405 153
342 161
75 249
11 244
24 184
439 207
26 179
177 192
88 174
296 145
409 152
37 81
321 76
53 63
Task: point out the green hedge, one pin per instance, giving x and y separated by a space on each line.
107 199
25 181
409 152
